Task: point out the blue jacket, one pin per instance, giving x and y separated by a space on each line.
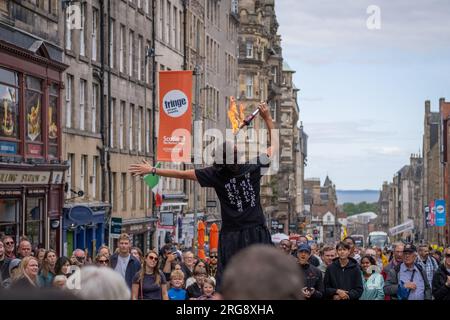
132 268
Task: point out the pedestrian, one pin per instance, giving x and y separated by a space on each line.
238 189
123 262
203 265
188 264
4 263
408 281
101 260
315 252
149 283
24 249
78 258
208 289
441 279
8 242
104 250
262 272
29 268
343 277
168 255
437 255
59 282
62 266
312 277
353 254
195 289
427 262
14 273
47 272
328 254
40 254
213 261
137 253
373 281
381 259
101 284
177 292
397 259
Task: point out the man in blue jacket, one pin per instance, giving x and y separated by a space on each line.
123 262
343 279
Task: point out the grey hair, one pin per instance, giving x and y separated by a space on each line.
102 284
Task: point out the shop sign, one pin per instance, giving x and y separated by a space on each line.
10 193
25 177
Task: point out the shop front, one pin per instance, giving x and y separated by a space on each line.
31 166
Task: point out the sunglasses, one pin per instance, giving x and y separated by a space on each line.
153 258
9 242
103 261
213 257
447 255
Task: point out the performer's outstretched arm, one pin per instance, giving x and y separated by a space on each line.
145 168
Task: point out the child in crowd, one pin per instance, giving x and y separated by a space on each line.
176 292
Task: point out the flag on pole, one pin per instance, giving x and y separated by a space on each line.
344 233
155 183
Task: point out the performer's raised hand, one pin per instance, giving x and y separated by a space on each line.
264 111
140 168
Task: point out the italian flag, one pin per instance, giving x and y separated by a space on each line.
155 183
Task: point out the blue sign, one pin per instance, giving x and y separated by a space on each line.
8 147
440 213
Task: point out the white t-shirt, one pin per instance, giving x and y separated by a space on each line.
122 264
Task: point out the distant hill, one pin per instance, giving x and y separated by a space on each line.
357 196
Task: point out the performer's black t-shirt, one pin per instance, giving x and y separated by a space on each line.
239 194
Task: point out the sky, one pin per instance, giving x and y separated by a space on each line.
363 91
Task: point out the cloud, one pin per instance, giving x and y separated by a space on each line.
389 151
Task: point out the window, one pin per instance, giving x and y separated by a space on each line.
161 20
82 103
130 52
147 6
139 128
82 35
130 126
9 112
249 51
123 191
234 6
273 109
274 74
122 132
149 64
94 177
139 5
34 220
111 123
83 174
94 107
112 52
168 16
68 31
142 197
175 28
122 49
69 84
139 60
133 191
70 174
94 33
53 120
147 131
33 109
249 87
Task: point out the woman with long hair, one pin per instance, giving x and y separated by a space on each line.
40 256
62 266
149 283
137 253
102 260
29 268
47 272
372 279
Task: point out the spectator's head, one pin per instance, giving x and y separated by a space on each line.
102 284
370 252
137 253
24 249
62 266
424 251
437 255
314 249
14 269
328 254
409 255
101 260
8 242
177 279
2 249
200 275
29 267
80 257
213 257
50 258
104 250
351 242
285 245
366 262
60 281
124 244
40 255
447 257
398 252
302 239
188 259
208 286
303 253
262 272
343 250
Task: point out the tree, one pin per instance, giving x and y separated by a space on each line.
351 208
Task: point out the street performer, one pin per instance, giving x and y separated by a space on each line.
238 189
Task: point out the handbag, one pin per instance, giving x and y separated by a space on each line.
403 293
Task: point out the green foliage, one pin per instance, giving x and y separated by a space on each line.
352 208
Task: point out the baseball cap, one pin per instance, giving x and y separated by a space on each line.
14 264
409 248
304 247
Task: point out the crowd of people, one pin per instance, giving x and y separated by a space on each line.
340 271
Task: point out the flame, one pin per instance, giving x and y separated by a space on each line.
241 112
233 115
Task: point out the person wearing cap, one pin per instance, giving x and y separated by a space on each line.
441 279
408 281
14 273
343 277
312 276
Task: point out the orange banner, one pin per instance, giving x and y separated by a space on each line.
175 116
